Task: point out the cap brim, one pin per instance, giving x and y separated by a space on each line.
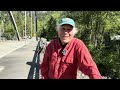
67 23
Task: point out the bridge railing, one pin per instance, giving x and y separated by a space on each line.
35 64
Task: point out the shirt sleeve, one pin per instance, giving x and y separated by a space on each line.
45 65
86 64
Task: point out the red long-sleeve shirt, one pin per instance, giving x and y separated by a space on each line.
55 65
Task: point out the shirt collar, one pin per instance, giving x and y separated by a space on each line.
64 46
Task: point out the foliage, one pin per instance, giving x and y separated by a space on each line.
49 27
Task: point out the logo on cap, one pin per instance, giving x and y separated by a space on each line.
67 20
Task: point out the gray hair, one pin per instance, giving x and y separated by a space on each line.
74 29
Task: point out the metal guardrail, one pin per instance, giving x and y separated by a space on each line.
35 65
34 72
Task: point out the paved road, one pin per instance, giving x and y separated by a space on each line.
14 65
9 46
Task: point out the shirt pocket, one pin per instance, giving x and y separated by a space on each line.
69 60
53 61
67 64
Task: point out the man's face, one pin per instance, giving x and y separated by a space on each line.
66 33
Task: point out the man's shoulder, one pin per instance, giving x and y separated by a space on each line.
53 41
77 40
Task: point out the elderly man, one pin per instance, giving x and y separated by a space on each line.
66 54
